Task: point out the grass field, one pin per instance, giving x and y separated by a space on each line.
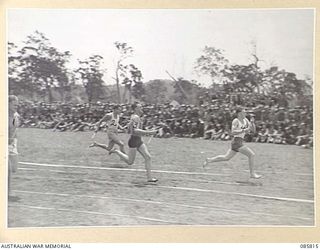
61 182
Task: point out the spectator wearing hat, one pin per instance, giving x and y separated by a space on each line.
190 120
263 133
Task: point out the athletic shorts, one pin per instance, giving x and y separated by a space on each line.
135 142
112 136
236 143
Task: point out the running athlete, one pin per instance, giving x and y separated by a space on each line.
112 120
240 126
135 142
12 138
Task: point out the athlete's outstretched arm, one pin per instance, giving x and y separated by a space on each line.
106 117
122 127
138 131
142 132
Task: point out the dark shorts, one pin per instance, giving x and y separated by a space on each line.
135 142
237 142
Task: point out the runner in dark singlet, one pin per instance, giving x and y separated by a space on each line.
135 142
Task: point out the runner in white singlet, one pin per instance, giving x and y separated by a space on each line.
112 120
240 126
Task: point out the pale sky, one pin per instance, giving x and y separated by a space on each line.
173 39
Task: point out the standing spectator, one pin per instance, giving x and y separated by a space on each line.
12 141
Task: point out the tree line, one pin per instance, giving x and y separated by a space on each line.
39 71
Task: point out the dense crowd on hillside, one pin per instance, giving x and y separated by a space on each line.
211 121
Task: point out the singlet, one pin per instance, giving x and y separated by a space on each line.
135 123
237 125
113 123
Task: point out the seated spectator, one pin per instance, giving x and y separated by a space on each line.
218 131
304 136
263 133
288 137
273 135
209 120
208 130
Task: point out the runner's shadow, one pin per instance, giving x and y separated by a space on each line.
141 184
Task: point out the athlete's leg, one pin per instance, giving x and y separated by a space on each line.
251 156
9 174
104 146
143 150
114 139
117 141
128 158
231 153
110 145
12 166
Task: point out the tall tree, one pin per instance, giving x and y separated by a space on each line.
132 81
41 66
125 51
285 84
243 78
91 73
211 63
256 78
15 85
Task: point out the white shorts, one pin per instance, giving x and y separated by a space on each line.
113 136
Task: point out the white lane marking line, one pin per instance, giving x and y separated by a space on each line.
49 170
117 169
139 170
240 194
161 203
260 171
91 212
189 189
130 169
225 169
187 179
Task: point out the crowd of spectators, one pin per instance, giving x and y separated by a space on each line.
208 120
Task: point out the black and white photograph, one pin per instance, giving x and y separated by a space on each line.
160 117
